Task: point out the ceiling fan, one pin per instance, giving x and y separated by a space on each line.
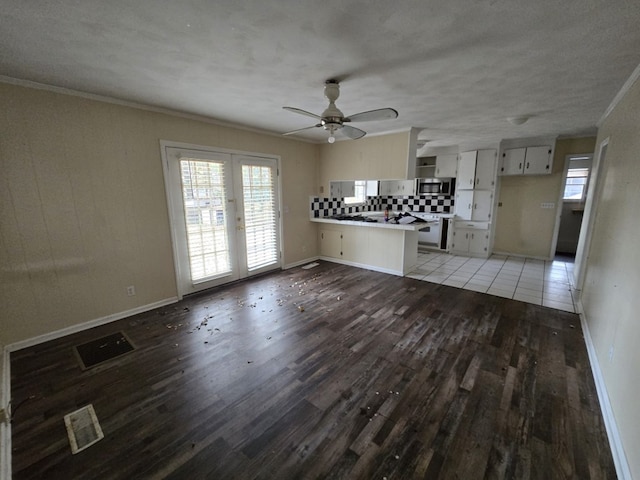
332 119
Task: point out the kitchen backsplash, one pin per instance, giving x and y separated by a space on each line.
325 207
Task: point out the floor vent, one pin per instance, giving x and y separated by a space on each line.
106 348
83 428
310 265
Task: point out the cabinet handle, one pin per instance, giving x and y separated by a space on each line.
527 165
475 206
469 206
520 166
466 236
472 236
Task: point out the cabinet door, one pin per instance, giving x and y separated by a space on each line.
460 240
537 160
466 171
407 187
331 243
485 169
335 189
348 188
464 204
513 161
482 203
479 242
446 166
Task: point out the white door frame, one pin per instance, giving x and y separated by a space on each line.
589 217
164 144
560 203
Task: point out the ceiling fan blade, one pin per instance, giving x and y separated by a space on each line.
380 114
303 112
352 132
301 129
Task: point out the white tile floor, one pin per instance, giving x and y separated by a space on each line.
540 282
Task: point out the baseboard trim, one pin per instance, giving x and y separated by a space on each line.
80 327
615 442
5 427
362 265
301 262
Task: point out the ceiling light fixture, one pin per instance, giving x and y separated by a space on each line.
332 138
519 120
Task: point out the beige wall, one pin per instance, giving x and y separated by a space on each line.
369 158
522 227
610 292
83 212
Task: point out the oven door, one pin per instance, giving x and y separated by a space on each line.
430 234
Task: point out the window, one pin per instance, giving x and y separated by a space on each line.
360 197
576 186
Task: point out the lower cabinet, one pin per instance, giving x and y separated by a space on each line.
470 239
387 250
331 243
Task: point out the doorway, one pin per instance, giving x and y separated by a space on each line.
577 173
224 214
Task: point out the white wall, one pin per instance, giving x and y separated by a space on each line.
83 209
611 289
522 226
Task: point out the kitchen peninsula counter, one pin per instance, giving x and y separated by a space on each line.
378 245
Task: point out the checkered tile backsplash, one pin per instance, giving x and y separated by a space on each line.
325 207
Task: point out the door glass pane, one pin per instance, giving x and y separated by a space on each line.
259 215
206 218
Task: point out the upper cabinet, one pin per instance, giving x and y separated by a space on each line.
476 170
397 187
446 166
526 161
341 189
439 166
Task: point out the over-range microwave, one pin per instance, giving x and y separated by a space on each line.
435 186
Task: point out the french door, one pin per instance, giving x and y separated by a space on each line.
224 216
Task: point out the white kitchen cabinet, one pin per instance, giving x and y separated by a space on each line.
476 170
526 161
470 238
464 204
331 243
537 161
479 242
343 188
395 188
446 166
485 169
474 205
513 161
466 170
482 205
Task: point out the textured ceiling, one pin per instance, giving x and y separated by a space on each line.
458 68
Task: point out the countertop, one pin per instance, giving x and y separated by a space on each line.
412 227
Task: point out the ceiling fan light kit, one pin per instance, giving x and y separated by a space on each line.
333 120
518 120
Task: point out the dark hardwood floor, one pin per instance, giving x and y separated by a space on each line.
333 372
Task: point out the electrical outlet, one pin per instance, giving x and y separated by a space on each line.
548 205
131 290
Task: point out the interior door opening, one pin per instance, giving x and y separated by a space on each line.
574 196
224 213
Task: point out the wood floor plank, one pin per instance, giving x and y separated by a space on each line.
332 372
